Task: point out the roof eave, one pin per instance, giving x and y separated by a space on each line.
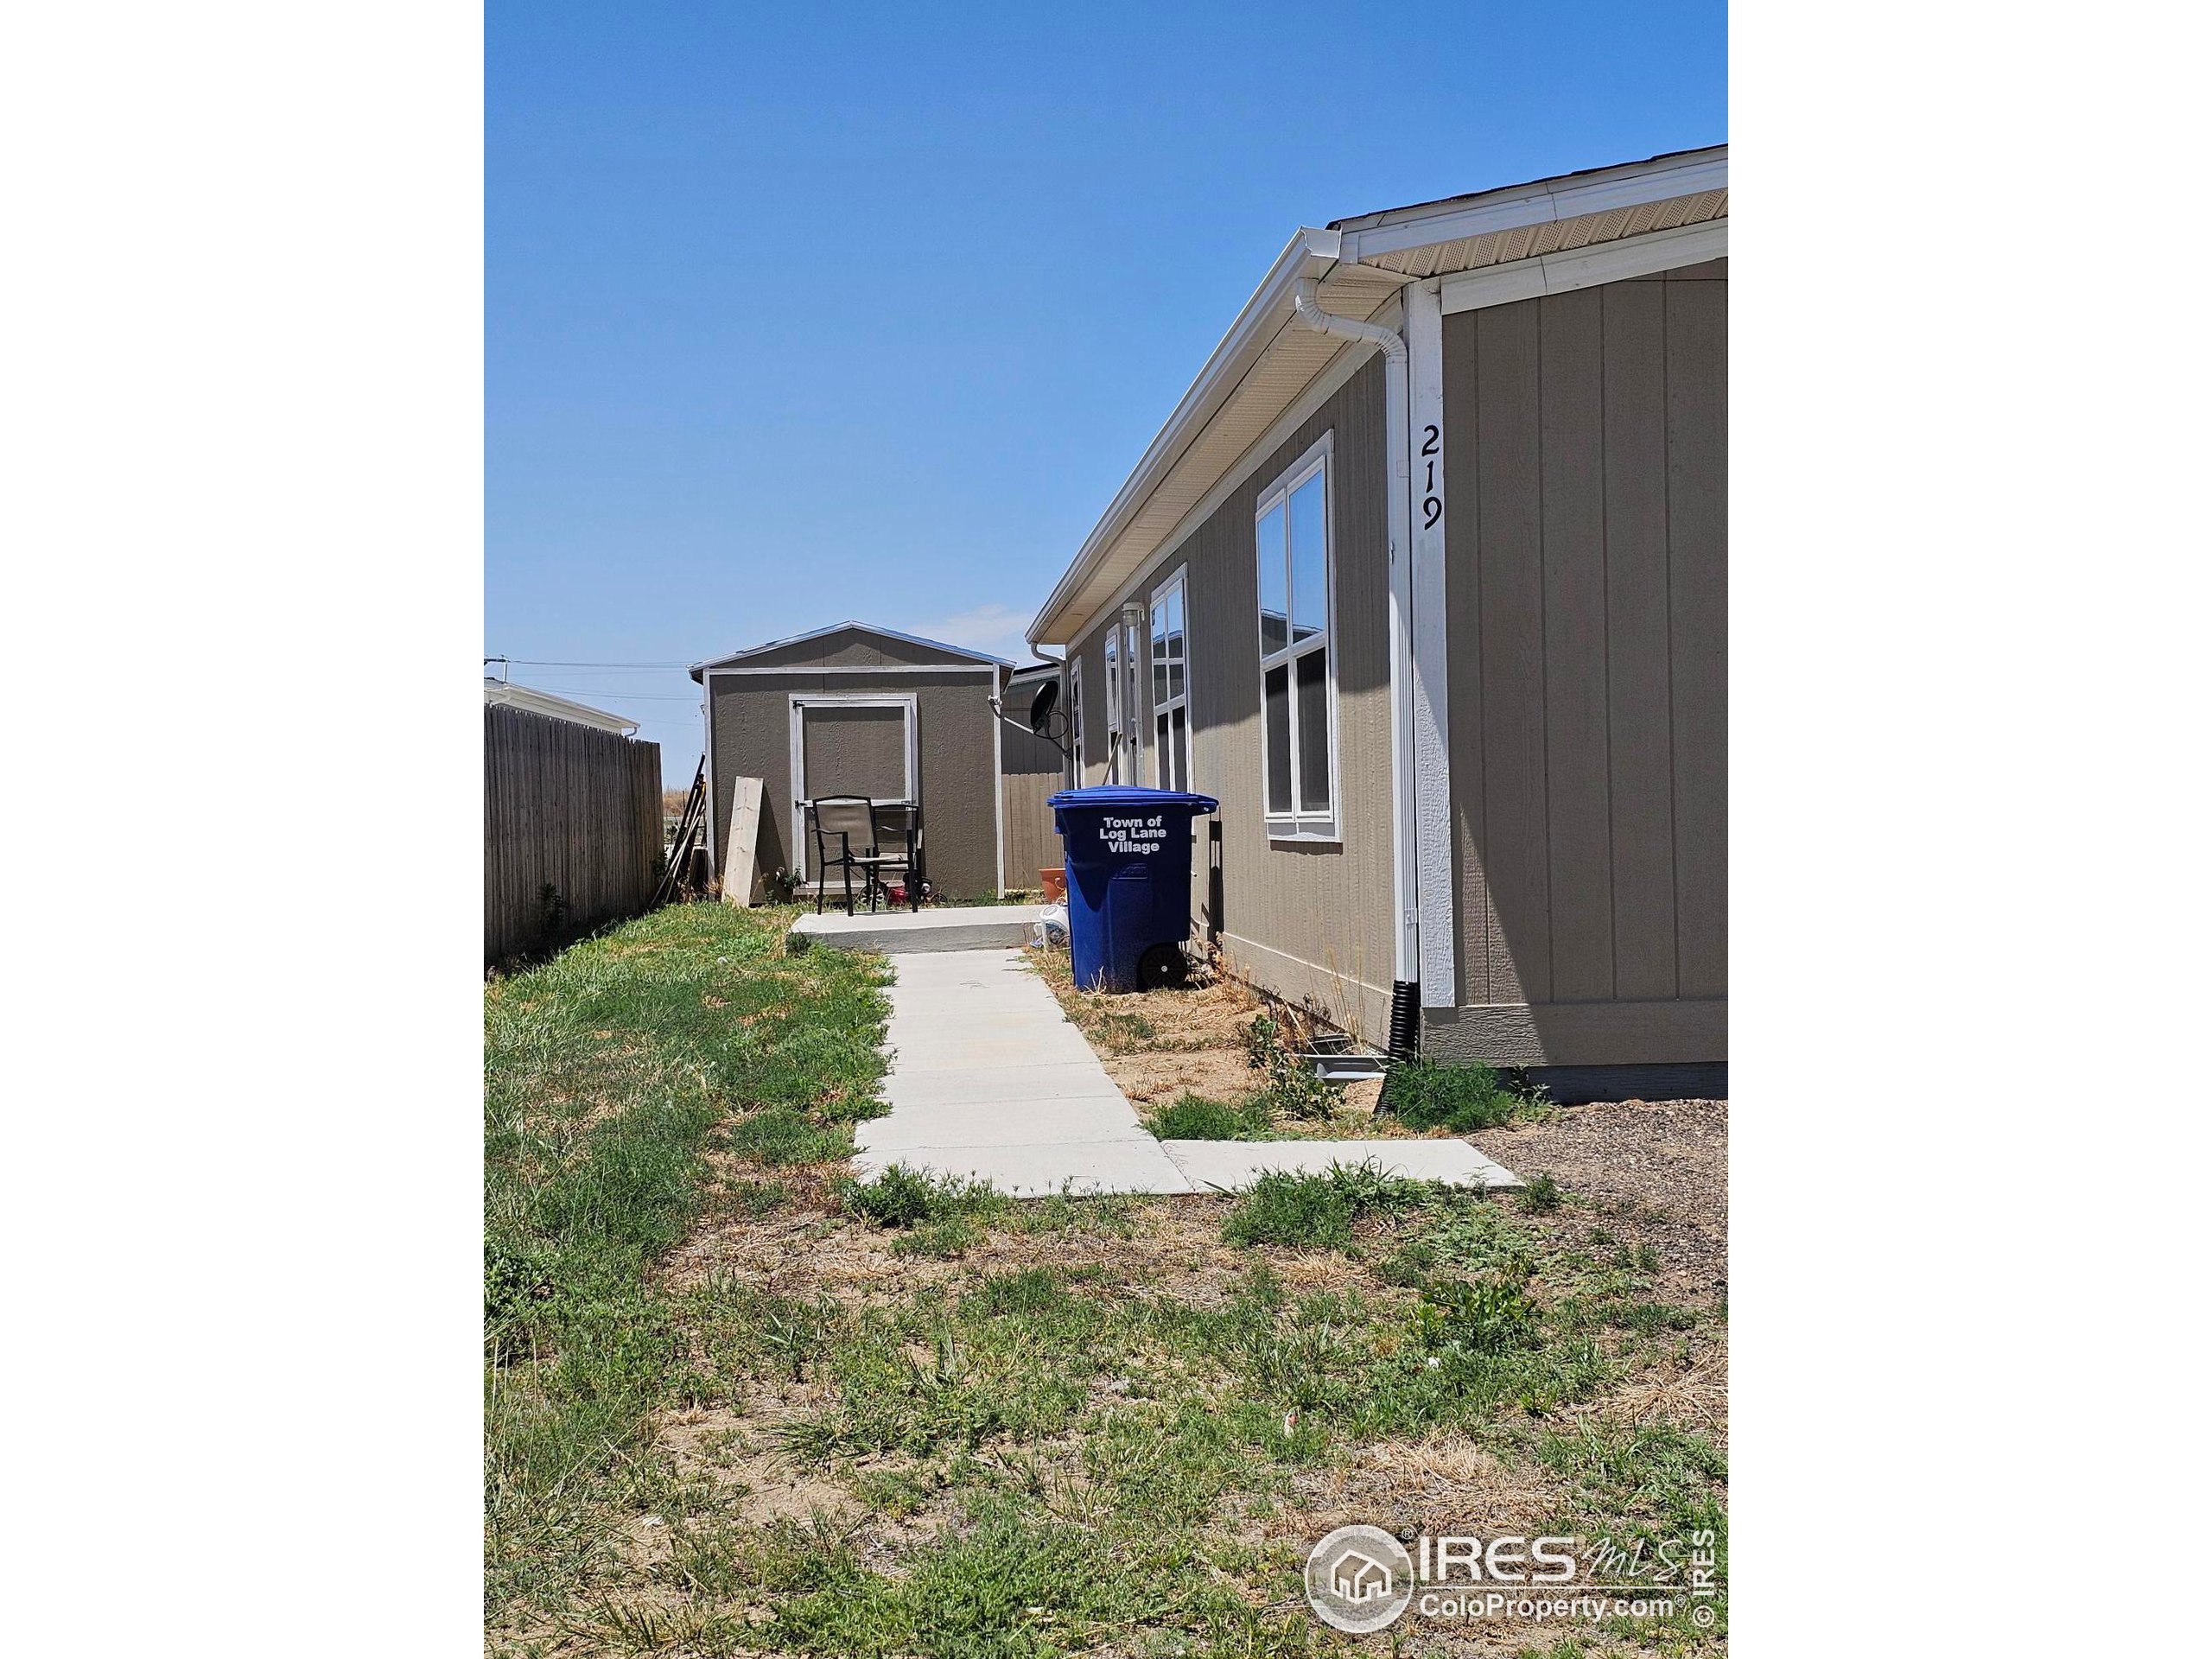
1311 252
1314 253
532 700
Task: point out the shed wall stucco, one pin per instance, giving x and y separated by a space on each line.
958 783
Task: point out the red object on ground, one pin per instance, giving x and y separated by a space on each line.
1055 883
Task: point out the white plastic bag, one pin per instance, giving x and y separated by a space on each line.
1050 930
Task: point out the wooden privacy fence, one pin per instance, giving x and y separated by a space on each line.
1029 771
572 831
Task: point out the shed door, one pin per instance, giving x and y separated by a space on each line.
848 748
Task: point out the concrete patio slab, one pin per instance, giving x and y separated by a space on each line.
1231 1165
949 927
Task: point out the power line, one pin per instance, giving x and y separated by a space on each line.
537 662
631 696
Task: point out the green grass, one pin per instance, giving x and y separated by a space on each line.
1193 1117
1541 1196
608 1072
1316 1212
1429 1094
1049 1427
938 1216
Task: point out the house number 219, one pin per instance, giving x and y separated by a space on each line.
1432 503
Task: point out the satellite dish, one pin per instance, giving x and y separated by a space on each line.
1040 711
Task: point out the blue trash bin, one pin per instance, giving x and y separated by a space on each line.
1129 862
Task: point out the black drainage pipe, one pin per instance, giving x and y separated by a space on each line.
1405 1020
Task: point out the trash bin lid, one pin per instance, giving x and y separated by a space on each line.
1113 795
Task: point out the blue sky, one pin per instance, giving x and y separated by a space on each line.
869 313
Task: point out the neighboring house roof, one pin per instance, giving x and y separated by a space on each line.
1267 360
841 627
545 703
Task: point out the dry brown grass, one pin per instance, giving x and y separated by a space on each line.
1158 1046
1188 1020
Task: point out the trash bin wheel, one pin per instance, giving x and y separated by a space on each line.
1162 967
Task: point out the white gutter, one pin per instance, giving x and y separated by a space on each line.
545 703
1244 344
1362 241
1376 236
1405 881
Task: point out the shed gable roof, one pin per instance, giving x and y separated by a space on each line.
912 642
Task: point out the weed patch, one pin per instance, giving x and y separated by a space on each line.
1428 1095
1293 1088
905 1197
1317 1212
1193 1117
1541 1197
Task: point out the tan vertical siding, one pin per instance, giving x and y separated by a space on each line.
1508 551
1586 436
1638 701
1697 496
1302 918
1577 803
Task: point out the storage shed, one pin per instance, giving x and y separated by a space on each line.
855 709
1425 579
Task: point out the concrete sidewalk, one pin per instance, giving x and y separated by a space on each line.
989 1081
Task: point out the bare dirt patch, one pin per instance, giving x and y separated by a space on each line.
1651 1171
731 1449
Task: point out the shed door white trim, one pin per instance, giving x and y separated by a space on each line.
800 703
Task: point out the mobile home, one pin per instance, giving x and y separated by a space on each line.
1425 579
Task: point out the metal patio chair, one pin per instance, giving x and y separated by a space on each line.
845 838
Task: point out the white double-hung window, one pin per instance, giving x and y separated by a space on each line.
1298 658
1114 704
1125 698
1171 688
1075 713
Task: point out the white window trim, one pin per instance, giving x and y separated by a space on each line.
1305 828
1075 713
1177 578
800 702
1136 699
1111 651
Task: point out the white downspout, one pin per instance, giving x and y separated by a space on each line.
1405 990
